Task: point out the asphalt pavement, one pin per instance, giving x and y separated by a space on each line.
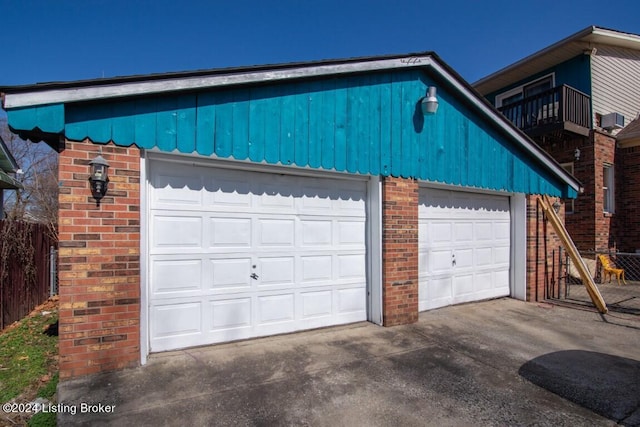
501 362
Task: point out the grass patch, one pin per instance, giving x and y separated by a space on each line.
27 356
43 419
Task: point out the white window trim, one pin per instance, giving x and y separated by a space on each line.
609 202
520 88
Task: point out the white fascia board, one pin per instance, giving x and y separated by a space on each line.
616 38
507 126
56 96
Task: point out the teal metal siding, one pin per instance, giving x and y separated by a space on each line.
366 124
47 118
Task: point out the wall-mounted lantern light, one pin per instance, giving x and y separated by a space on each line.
576 154
556 206
430 102
99 177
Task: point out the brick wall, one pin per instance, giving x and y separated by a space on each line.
400 251
605 232
628 198
99 262
589 227
542 251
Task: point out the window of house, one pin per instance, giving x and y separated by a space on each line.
530 89
569 204
608 189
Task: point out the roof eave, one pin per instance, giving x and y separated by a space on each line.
589 36
33 96
65 92
4 152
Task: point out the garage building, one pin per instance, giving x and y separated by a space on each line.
255 201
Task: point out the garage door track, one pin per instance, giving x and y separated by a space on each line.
500 362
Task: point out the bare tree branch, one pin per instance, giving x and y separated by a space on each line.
37 201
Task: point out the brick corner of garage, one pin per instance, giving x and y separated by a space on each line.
99 262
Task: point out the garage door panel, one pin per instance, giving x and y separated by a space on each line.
484 257
483 232
501 255
177 189
229 192
276 271
439 261
470 263
502 231
176 276
230 273
273 198
316 268
437 292
316 303
316 232
174 320
230 313
276 232
351 233
439 232
176 231
351 300
463 284
229 232
276 308
464 258
351 266
462 232
257 254
316 199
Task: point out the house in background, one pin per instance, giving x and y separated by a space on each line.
8 165
261 200
576 99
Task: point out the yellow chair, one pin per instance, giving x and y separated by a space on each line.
609 269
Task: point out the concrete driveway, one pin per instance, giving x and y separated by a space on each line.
500 362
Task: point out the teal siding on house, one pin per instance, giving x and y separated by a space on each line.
47 118
366 124
576 72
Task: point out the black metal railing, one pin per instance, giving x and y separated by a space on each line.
554 106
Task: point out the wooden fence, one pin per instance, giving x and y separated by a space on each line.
25 278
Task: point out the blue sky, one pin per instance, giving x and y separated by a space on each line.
64 40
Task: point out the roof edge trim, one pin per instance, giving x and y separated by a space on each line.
172 84
566 40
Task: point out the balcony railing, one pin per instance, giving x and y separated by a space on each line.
559 108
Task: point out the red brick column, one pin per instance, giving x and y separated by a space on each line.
99 262
543 244
604 152
399 251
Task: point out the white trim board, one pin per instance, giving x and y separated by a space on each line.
53 96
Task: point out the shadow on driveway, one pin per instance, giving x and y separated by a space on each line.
608 385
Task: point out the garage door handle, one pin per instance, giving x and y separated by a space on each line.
453 259
254 276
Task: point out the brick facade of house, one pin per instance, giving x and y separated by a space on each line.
628 198
589 226
99 262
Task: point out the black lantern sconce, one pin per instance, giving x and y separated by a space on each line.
99 177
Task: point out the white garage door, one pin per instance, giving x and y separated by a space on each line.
464 241
239 254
